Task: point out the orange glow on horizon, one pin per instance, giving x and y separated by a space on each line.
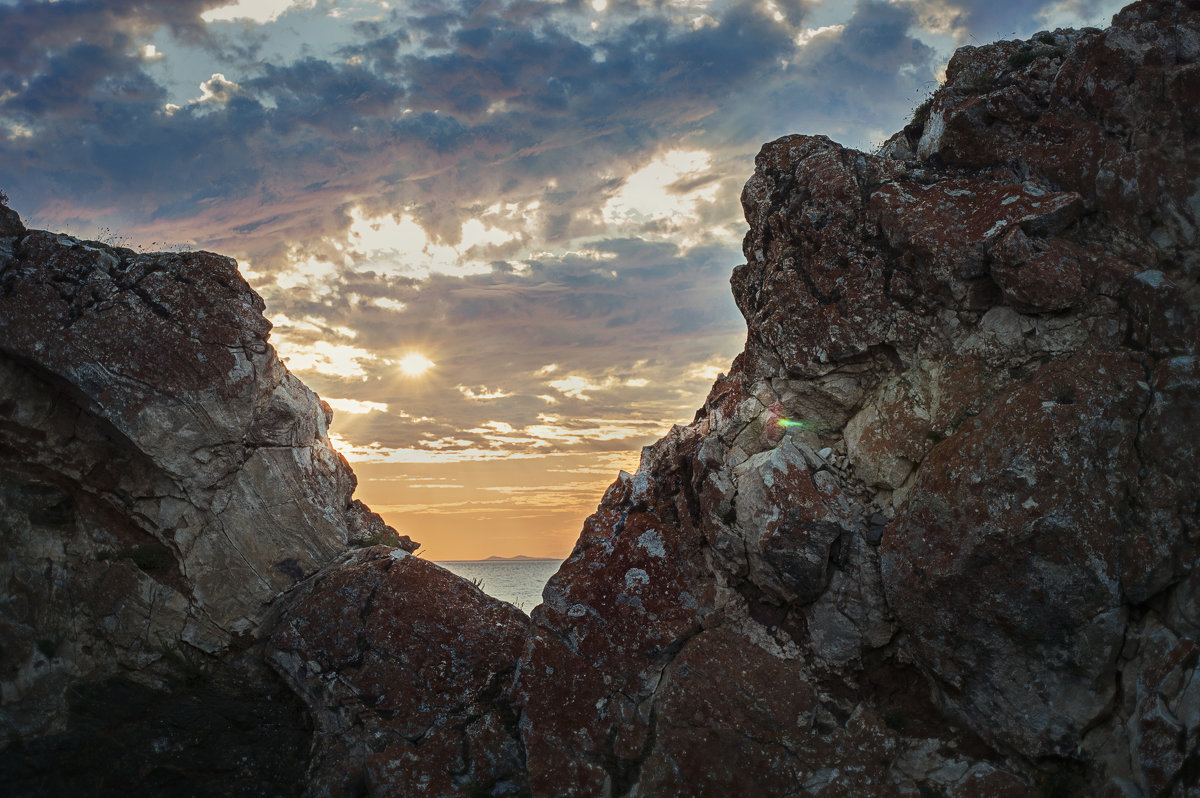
475 509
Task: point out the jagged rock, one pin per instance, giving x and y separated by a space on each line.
163 478
405 669
1006 570
994 361
967 568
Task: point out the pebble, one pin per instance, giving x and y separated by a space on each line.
824 453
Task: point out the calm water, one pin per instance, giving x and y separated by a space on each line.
519 582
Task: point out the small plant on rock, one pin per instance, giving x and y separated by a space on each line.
921 112
979 82
1024 58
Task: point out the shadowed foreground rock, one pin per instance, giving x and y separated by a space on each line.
406 670
163 479
967 569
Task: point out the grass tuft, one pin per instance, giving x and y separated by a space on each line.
979 82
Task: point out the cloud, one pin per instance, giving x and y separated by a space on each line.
482 393
217 89
589 332
499 188
355 406
259 11
494 114
976 21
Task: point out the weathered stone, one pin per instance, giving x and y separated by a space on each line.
405 670
1005 573
787 525
162 476
967 569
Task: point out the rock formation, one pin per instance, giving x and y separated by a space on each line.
965 565
163 479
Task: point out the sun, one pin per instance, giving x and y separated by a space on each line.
415 364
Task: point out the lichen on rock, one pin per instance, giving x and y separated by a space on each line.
935 532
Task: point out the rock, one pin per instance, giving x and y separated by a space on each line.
405 669
970 570
1005 574
972 331
163 478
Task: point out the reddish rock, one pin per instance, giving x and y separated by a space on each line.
983 377
405 668
1037 276
975 358
633 591
1005 554
968 569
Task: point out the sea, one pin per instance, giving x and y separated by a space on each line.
519 582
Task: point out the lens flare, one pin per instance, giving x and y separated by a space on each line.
787 422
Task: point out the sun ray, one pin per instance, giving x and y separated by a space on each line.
415 364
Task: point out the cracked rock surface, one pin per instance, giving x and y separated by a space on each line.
969 569
967 566
163 478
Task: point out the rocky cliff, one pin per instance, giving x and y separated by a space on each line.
935 533
163 480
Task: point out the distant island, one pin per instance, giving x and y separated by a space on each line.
495 557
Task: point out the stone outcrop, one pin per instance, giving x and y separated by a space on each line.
163 478
964 564
404 668
967 565
935 533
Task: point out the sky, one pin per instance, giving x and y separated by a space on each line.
495 236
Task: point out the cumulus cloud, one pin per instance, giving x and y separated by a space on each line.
586 334
217 89
976 21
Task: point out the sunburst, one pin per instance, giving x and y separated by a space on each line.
415 364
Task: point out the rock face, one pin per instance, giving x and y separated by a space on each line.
405 669
163 478
935 533
964 564
968 567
